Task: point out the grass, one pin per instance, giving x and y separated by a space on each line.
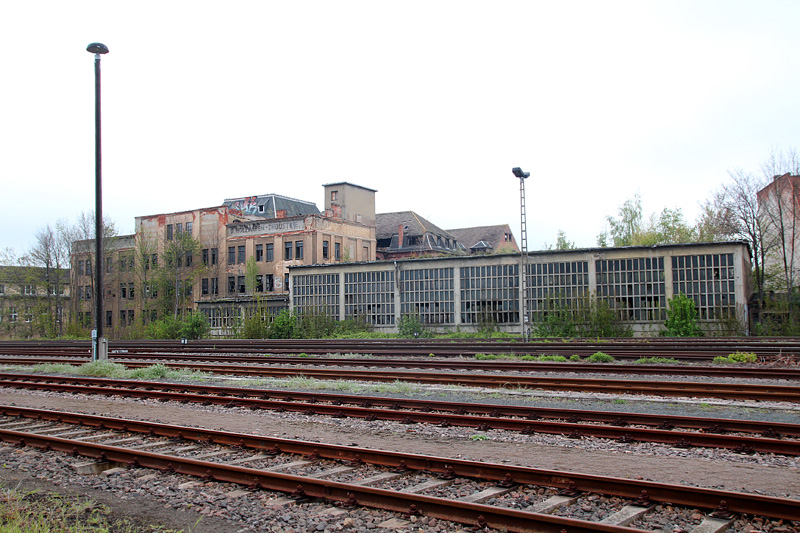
657 361
107 369
39 512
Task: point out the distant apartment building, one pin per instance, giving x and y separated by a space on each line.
33 301
779 213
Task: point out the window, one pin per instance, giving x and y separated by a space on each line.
259 252
88 292
204 255
287 250
231 255
169 232
368 296
270 252
214 286
155 260
633 288
28 314
123 291
286 282
12 314
214 256
298 249
178 228
189 228
231 284
337 251
240 254
81 265
188 259
29 290
130 291
109 262
270 283
428 294
109 318
557 286
324 249
259 283
240 284
334 196
204 287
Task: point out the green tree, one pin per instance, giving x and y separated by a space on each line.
562 243
681 318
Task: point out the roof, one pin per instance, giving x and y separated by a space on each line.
494 236
386 225
268 205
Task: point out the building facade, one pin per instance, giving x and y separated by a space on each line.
33 301
449 293
224 261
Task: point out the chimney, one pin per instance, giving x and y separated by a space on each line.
400 236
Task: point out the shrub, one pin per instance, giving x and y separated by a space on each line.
284 326
575 358
600 357
681 318
411 326
656 361
737 357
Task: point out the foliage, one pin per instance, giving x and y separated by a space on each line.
43 512
411 326
575 358
284 326
681 318
736 357
630 228
589 317
562 243
255 327
657 361
191 326
600 357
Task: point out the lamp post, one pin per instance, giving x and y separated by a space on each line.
99 343
523 321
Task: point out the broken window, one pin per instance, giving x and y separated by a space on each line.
213 256
324 249
123 291
189 228
298 249
204 286
270 283
259 283
214 286
270 252
231 255
178 228
240 254
109 318
231 284
169 232
240 284
259 252
188 259
204 255
337 250
334 196
287 250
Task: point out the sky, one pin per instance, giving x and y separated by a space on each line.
431 103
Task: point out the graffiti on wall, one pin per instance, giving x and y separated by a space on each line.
247 206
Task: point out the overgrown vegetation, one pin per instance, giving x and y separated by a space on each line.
657 361
588 318
736 358
107 369
600 357
41 512
681 318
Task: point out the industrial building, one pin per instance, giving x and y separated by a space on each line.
462 292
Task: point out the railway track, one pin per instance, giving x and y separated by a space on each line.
696 349
750 372
742 436
733 391
479 494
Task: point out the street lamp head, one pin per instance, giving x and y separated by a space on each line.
519 173
97 48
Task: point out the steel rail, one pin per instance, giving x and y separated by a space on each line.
782 508
484 417
749 372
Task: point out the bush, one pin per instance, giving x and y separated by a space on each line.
681 318
600 357
589 317
737 357
255 327
411 326
191 326
575 358
656 361
284 326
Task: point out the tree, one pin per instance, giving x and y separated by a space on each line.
176 273
631 228
562 243
47 254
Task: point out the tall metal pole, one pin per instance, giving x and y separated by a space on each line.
523 319
100 347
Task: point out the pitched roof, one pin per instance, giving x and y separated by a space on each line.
268 205
494 236
386 225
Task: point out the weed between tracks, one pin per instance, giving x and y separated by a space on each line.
55 513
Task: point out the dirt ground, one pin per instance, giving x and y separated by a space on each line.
666 469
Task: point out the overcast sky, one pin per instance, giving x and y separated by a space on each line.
430 102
